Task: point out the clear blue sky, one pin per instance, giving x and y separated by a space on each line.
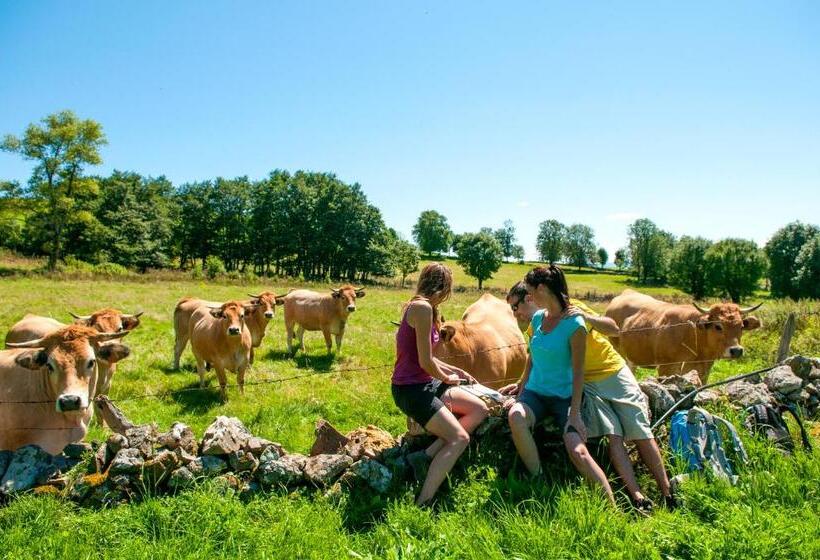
703 117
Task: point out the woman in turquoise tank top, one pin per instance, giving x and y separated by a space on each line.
553 381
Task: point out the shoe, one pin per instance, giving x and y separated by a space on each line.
420 463
643 507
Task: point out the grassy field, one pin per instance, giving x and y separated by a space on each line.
488 511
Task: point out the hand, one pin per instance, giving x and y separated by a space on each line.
451 379
576 422
511 389
573 311
508 403
468 378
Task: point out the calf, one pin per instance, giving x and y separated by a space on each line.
220 337
47 386
306 310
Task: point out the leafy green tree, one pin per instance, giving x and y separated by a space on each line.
579 245
687 266
518 254
782 250
621 260
506 238
406 257
603 257
649 249
734 268
550 241
432 233
807 265
480 255
195 231
61 148
15 208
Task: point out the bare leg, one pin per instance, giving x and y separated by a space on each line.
651 457
623 466
461 403
586 465
522 420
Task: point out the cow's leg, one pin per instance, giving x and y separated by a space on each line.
290 335
301 334
223 382
200 369
328 342
339 341
179 347
250 358
240 379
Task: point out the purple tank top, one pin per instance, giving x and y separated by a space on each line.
407 369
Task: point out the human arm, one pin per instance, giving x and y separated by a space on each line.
578 350
604 325
450 369
420 317
515 389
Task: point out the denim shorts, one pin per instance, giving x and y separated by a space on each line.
542 405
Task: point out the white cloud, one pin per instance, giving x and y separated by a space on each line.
523 204
623 217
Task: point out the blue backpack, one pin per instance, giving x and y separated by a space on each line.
697 442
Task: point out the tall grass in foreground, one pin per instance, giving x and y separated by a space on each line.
490 509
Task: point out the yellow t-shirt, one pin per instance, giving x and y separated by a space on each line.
601 358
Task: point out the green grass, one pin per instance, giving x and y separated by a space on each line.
489 511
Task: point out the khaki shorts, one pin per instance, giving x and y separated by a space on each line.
616 406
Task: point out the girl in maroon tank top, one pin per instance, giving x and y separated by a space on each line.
425 388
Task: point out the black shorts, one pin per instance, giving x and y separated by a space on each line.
420 401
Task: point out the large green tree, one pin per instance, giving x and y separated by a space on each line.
621 260
480 255
550 241
687 266
807 266
603 257
734 268
649 248
61 147
432 233
782 250
506 238
405 256
579 245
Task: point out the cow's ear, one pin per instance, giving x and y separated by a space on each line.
751 323
336 294
216 313
250 308
279 300
32 359
113 352
447 333
359 293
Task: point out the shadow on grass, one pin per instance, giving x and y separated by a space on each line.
192 399
323 362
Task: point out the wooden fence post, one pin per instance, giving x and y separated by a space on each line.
786 337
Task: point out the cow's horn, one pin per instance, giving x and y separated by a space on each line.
745 310
699 308
80 317
29 344
109 335
334 290
256 297
134 316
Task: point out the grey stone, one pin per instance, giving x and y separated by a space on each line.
814 374
281 472
783 380
376 475
800 366
157 469
224 436
29 467
127 461
77 450
207 465
142 437
328 439
706 398
258 445
323 469
370 441
115 442
183 456
179 436
685 383
812 388
271 453
64 464
181 478
658 396
83 487
243 461
743 393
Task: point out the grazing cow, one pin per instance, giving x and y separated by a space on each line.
220 337
32 327
312 311
257 321
47 386
486 342
678 338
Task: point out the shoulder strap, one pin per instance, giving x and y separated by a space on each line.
803 435
736 442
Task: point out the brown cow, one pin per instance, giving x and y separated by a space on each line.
47 386
678 338
32 327
257 321
486 342
312 311
220 337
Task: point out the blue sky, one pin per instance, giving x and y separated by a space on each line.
704 118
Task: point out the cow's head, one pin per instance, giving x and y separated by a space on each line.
345 297
108 320
266 304
721 327
447 333
232 315
68 359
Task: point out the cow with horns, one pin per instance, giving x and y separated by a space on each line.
306 310
677 338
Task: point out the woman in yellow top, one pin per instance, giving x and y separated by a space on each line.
613 405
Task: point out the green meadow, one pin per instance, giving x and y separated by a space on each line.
489 509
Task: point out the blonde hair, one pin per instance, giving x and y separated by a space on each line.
435 280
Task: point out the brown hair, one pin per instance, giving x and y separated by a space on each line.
435 280
553 278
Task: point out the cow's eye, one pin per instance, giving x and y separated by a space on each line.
718 327
90 364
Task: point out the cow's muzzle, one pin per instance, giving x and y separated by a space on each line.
233 331
736 351
351 308
268 314
69 403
